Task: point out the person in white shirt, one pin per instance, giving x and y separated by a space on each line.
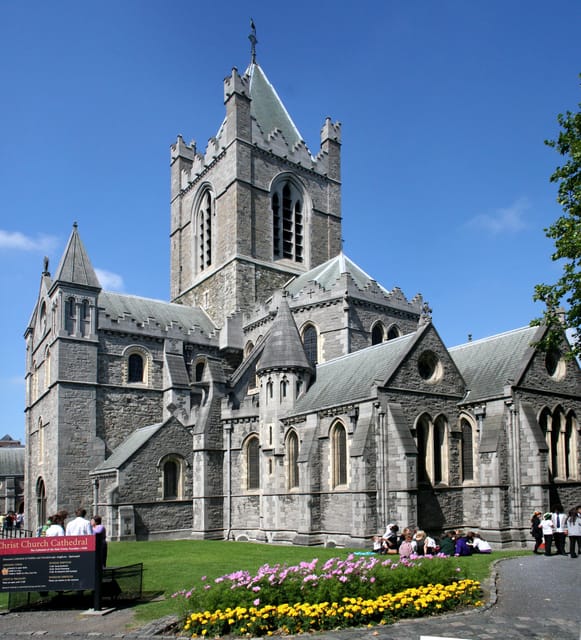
56 526
547 528
480 545
79 526
559 534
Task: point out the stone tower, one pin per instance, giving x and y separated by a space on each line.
61 375
254 209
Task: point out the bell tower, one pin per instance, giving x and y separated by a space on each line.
256 207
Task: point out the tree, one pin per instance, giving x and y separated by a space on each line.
566 233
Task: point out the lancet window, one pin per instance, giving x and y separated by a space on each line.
287 222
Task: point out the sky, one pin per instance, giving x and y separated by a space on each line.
445 106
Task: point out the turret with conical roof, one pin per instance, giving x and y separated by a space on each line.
77 288
284 374
284 348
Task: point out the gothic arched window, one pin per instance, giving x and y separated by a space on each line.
199 370
70 315
136 365
560 431
170 480
204 220
467 451
85 320
135 368
253 463
339 454
40 502
432 444
171 469
310 343
393 332
287 222
292 446
377 333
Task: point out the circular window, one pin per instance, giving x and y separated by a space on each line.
555 364
429 367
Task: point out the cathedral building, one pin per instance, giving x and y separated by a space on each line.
283 394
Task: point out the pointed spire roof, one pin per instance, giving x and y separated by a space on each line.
75 266
326 275
284 348
267 108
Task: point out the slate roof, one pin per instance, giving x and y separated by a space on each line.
127 448
487 365
283 347
11 461
75 266
267 108
326 275
352 377
149 311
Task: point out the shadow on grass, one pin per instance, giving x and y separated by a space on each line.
76 600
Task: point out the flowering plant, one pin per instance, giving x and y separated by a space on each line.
369 577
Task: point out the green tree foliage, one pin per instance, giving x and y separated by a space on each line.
566 233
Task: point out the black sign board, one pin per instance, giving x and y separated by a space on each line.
60 563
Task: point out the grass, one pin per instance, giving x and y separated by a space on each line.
173 565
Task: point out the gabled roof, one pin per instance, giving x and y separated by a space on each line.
129 447
327 275
11 461
353 377
488 365
75 266
119 306
267 108
283 347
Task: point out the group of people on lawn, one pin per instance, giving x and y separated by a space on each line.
417 542
556 527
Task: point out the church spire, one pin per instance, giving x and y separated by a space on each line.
253 42
75 266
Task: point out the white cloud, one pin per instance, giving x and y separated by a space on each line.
110 281
503 220
21 242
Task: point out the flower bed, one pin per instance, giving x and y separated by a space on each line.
352 592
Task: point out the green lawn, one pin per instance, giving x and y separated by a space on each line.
173 565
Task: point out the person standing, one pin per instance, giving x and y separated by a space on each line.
573 525
536 530
99 530
79 526
547 528
559 529
56 527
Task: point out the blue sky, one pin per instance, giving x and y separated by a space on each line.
444 106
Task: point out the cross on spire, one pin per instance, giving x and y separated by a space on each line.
253 41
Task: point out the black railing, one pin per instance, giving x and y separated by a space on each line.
16 532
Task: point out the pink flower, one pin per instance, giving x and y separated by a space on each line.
256 602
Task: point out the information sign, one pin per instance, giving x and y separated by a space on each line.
60 563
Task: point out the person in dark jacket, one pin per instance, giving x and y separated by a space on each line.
536 530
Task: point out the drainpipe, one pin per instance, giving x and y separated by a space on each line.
95 495
228 429
382 464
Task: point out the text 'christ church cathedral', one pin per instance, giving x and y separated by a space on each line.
283 395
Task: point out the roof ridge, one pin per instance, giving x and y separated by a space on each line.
407 336
493 337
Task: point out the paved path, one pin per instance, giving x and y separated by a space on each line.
532 597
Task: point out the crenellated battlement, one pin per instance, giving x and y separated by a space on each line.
235 83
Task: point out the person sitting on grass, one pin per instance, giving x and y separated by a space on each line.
461 547
479 545
447 546
406 547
